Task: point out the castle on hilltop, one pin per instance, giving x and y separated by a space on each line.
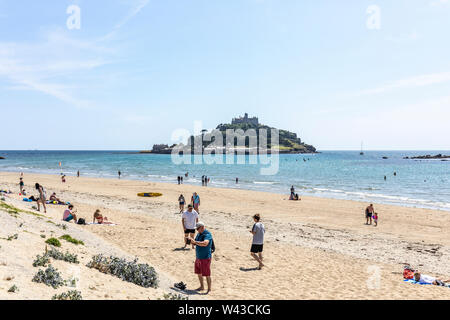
245 120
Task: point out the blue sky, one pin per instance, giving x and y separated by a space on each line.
138 70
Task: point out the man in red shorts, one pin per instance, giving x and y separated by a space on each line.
203 243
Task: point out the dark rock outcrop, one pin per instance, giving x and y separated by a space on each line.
426 157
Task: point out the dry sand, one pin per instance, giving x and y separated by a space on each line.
315 248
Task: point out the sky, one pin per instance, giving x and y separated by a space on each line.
123 75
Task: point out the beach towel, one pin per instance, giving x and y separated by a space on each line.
415 282
57 203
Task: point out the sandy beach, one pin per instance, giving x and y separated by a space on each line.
315 248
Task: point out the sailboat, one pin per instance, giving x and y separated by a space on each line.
361 153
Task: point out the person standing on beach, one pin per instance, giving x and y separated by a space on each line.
78 173
189 219
41 198
203 250
21 184
203 181
179 179
181 202
119 173
195 200
258 231
375 218
369 212
237 180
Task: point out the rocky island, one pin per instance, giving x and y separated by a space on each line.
428 157
250 128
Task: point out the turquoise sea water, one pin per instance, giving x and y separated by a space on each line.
334 174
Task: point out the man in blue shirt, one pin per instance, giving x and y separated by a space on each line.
203 244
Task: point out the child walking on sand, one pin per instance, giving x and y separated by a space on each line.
375 218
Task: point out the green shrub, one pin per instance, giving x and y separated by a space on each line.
50 277
14 288
13 237
69 295
55 254
72 240
54 242
141 274
58 255
173 296
41 261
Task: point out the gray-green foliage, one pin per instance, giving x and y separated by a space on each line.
138 273
69 295
50 276
173 296
14 288
42 261
13 237
58 255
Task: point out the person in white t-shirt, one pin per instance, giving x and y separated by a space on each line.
426 279
189 220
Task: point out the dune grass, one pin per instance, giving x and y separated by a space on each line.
71 240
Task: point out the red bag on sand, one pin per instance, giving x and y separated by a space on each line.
408 273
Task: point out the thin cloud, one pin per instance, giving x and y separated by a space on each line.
413 82
141 4
42 66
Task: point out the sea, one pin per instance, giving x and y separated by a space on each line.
328 174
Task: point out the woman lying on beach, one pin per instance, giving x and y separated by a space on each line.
100 218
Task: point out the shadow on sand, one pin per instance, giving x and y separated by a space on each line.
249 269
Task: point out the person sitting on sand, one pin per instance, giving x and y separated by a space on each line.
21 185
63 179
181 202
258 240
369 211
69 214
54 198
100 218
426 279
